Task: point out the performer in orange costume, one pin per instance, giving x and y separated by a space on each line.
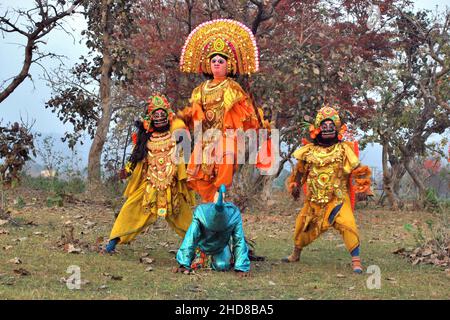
221 48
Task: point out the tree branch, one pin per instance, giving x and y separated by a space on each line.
37 30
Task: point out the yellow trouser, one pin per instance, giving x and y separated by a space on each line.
134 217
313 220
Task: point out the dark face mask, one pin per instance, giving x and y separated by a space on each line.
160 121
328 133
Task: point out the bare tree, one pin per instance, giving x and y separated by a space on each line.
40 20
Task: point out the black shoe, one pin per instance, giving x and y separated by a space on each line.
253 257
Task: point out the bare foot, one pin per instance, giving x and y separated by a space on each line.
242 274
180 270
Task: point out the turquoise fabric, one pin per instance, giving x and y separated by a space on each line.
216 228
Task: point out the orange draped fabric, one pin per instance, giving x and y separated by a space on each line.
239 113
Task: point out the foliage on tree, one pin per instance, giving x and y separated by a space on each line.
404 96
16 148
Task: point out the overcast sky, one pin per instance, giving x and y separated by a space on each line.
29 98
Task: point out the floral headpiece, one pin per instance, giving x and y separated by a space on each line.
227 37
327 112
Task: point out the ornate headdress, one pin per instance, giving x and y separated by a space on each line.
158 101
226 37
327 112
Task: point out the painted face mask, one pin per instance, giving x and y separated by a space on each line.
327 129
160 119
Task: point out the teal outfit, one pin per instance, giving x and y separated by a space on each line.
217 230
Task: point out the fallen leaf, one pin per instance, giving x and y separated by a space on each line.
22 272
149 269
90 224
195 289
20 239
272 283
15 261
339 275
2 222
351 288
38 233
112 277
391 279
70 248
146 260
7 247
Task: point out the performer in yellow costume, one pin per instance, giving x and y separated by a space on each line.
327 167
219 49
158 185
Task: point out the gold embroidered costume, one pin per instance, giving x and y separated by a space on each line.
327 171
157 187
220 103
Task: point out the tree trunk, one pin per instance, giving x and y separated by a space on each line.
387 179
94 161
398 171
267 189
414 175
416 179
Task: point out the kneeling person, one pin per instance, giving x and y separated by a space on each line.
216 235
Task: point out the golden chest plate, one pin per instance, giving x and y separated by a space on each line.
212 104
325 180
161 169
